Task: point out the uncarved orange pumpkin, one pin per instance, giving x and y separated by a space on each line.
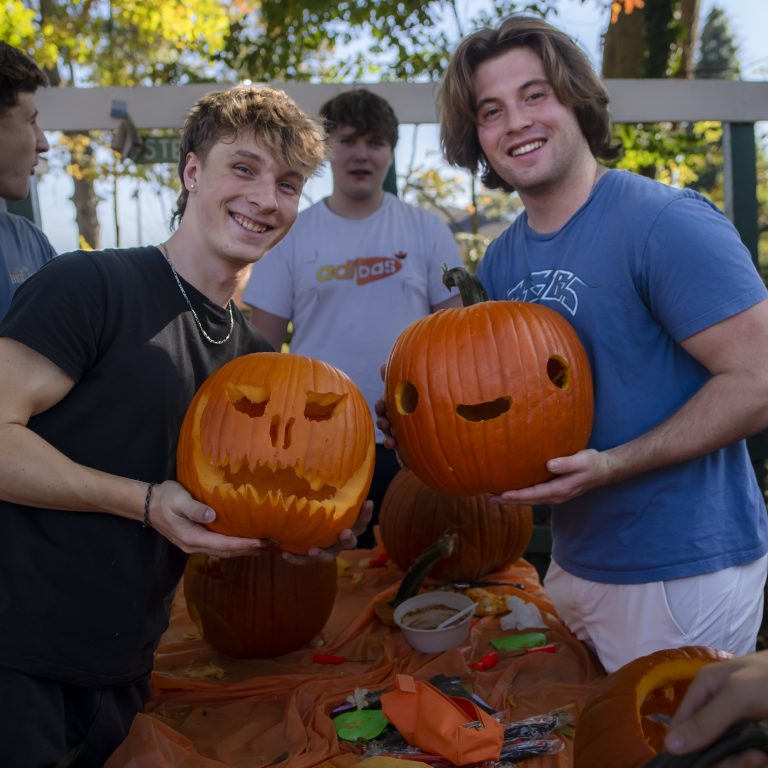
613 728
281 446
489 535
258 606
481 397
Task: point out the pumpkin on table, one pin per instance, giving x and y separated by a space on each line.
258 606
614 728
281 446
489 535
480 397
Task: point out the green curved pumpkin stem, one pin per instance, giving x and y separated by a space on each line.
422 565
471 289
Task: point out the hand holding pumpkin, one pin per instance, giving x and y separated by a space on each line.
573 475
383 423
183 520
347 540
720 695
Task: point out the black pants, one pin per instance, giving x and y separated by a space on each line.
47 724
385 468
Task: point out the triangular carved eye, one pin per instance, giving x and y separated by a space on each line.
321 406
248 399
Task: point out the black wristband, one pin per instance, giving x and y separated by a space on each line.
145 523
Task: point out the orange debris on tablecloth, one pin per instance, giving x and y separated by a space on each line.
211 711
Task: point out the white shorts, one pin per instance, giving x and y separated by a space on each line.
621 622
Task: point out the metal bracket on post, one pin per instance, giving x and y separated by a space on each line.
125 140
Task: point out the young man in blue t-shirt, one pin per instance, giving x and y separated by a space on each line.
659 527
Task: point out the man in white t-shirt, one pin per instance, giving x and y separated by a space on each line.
357 267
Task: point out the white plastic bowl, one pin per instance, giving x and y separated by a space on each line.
431 608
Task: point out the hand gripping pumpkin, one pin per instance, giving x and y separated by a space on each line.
489 535
619 725
258 606
281 446
481 397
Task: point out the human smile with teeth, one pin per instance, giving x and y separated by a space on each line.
245 200
531 139
523 150
249 224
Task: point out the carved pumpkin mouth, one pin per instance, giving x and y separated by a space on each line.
484 411
283 481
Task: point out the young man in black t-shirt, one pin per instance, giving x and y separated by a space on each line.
92 394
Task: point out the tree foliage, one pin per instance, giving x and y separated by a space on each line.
649 42
115 42
381 39
133 42
719 51
121 42
656 38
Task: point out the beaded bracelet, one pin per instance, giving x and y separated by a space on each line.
146 523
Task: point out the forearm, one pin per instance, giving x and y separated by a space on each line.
35 474
727 408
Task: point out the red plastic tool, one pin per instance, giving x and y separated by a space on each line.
491 659
488 660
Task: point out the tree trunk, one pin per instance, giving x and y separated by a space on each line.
624 46
689 20
85 198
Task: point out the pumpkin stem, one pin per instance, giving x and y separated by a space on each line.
471 289
422 565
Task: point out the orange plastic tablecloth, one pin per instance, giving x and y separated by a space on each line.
211 711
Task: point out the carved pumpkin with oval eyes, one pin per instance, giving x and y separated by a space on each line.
480 397
281 446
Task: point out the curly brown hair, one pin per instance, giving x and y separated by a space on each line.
269 114
567 67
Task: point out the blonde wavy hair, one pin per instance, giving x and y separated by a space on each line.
268 114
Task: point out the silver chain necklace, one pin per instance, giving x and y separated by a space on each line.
164 250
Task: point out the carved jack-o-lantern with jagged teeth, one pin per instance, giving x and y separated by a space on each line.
281 446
